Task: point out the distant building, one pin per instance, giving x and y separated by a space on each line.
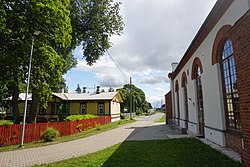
210 87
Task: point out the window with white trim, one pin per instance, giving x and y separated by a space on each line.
82 108
101 108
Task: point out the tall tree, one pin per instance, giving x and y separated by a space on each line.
53 57
19 20
64 24
14 46
138 97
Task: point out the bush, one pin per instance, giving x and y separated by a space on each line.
122 116
98 126
80 117
139 112
6 122
2 114
50 134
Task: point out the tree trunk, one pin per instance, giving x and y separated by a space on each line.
15 96
33 109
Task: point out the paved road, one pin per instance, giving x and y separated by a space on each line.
143 129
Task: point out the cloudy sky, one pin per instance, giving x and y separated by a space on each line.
156 33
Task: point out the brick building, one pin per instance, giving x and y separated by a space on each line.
168 106
211 84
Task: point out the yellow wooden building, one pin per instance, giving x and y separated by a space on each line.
105 103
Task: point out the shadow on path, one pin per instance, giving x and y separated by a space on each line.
155 132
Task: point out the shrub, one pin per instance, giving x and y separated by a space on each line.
50 134
122 116
2 114
98 126
6 122
78 127
139 112
80 117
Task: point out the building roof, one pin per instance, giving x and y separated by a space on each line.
76 96
86 96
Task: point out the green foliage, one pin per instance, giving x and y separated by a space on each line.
122 116
139 112
63 25
80 117
98 126
47 70
93 23
138 97
149 105
20 19
6 122
61 112
2 115
4 93
50 134
2 112
162 119
78 127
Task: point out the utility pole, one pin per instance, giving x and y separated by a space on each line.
130 108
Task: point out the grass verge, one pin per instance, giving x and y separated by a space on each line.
173 152
162 119
76 136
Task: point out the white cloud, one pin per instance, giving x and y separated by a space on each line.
156 33
156 101
160 90
151 80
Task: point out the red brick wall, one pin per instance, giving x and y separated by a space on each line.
168 102
234 141
240 34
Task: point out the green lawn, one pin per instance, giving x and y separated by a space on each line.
184 152
76 136
162 119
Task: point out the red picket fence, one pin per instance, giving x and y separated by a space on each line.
11 134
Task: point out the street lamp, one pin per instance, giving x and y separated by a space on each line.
36 33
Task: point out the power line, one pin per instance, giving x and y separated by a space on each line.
117 65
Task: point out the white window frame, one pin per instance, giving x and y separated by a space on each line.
83 107
101 107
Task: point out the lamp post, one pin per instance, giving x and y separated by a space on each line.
36 33
130 94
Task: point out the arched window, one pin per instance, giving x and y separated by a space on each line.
197 70
185 97
200 101
230 90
